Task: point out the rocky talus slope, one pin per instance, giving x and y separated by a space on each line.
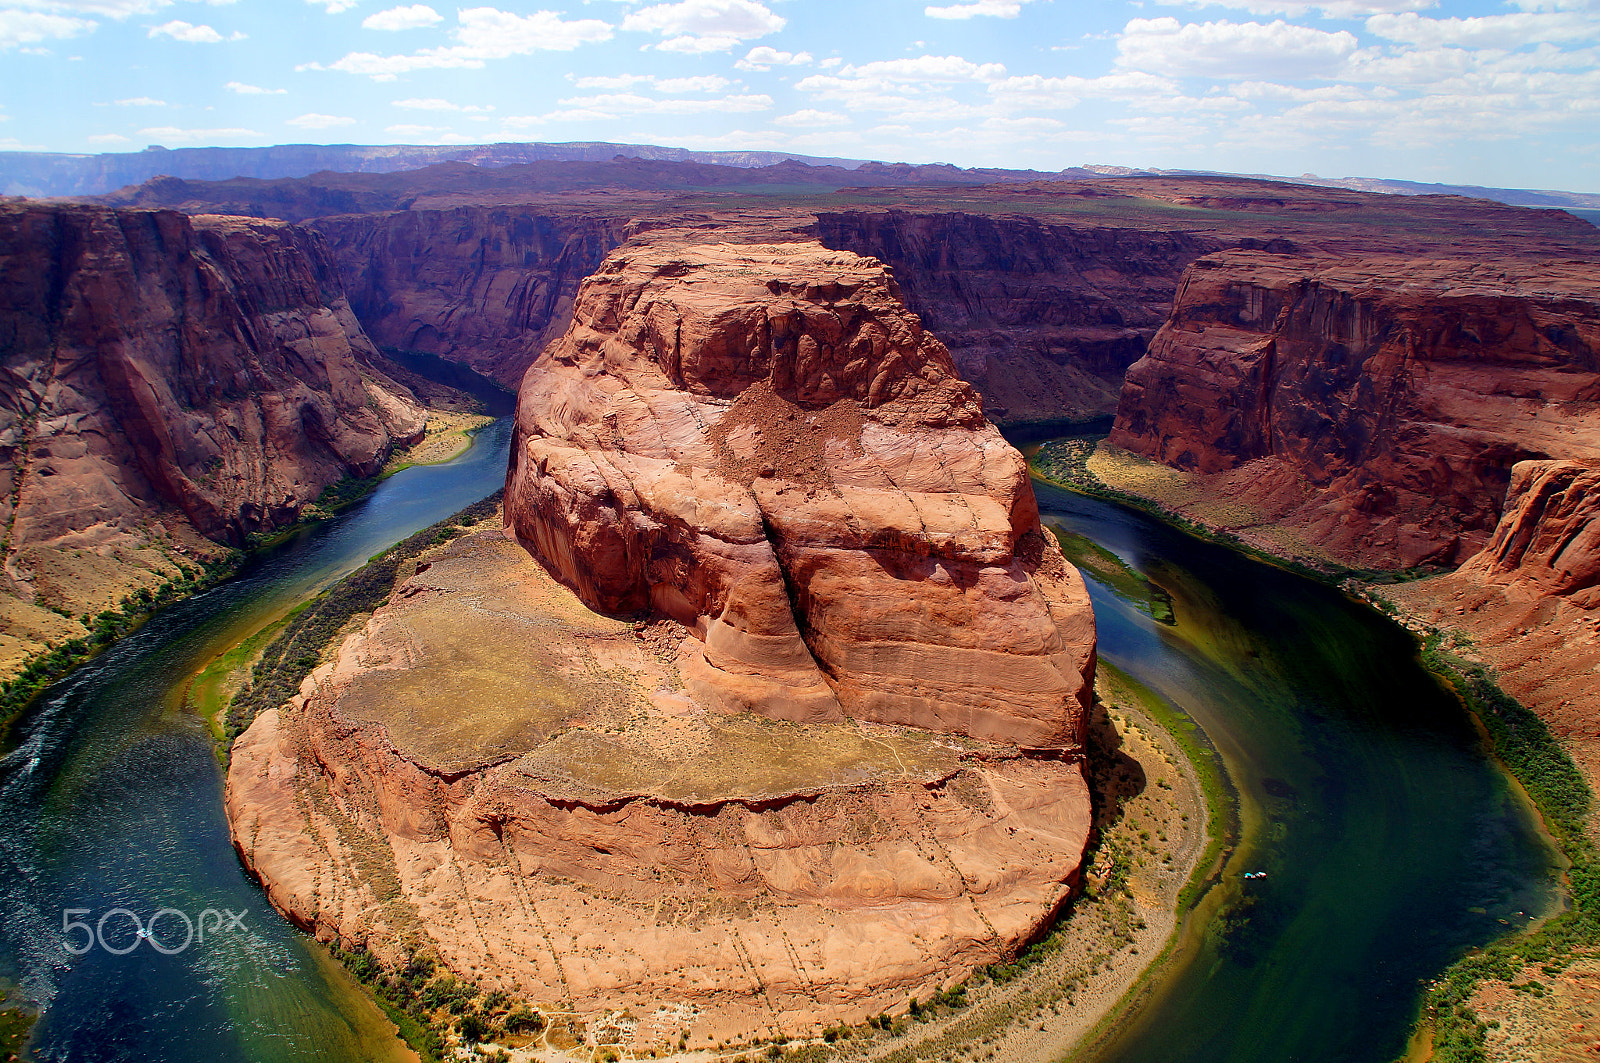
167 380
1375 405
781 724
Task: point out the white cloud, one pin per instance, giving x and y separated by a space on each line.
739 19
762 57
482 34
810 117
977 9
180 30
617 104
334 7
688 45
319 121
141 101
1300 8
1232 49
703 83
443 105
611 81
167 132
1491 31
926 68
30 27
253 90
107 138
415 17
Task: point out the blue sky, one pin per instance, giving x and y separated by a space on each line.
1483 92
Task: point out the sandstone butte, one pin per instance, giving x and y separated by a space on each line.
780 723
167 380
1377 405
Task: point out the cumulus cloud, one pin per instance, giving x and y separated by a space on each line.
334 7
697 27
481 34
319 121
415 17
1233 49
253 90
629 104
167 132
702 83
107 138
810 117
180 30
762 57
443 105
20 28
141 101
1489 31
1347 9
977 9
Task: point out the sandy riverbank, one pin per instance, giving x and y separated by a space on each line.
447 435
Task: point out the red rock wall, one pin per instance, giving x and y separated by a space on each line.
153 361
1043 319
1402 391
487 286
763 444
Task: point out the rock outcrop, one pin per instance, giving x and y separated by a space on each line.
167 374
1377 405
763 444
785 723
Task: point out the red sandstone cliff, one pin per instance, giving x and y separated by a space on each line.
198 371
1378 403
763 444
1043 318
487 286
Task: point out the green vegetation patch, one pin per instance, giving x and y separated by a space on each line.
1522 742
50 666
1105 567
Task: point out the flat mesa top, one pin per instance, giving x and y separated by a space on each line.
482 658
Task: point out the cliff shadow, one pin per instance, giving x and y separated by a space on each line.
1114 777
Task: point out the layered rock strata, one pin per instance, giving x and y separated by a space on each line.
783 725
763 444
1042 318
166 378
486 286
1378 405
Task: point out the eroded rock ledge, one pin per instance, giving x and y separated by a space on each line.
786 726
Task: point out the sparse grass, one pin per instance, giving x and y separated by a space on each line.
53 663
298 647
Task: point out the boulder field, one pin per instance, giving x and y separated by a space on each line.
766 709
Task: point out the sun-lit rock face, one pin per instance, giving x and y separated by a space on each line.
764 444
1384 399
